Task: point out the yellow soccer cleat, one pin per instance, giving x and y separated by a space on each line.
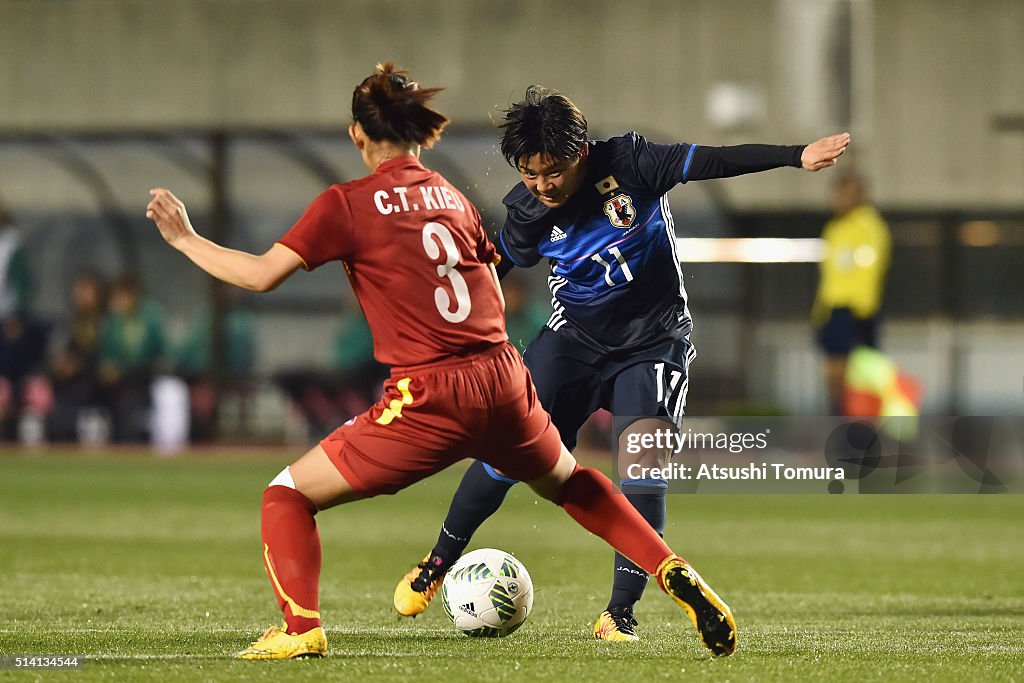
709 614
419 586
277 643
616 625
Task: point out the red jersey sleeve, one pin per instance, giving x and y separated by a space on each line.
324 233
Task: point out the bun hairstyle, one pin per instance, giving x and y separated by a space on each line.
389 106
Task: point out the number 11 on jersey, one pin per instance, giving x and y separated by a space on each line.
614 251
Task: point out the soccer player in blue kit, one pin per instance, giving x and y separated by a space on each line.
619 333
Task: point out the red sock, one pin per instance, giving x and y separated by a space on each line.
588 497
291 554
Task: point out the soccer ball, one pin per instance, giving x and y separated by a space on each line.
487 593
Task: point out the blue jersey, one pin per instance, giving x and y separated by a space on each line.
615 278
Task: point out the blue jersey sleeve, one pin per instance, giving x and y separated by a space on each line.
705 163
658 167
515 244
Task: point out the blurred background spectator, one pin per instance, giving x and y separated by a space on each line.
24 395
132 347
79 401
846 309
15 280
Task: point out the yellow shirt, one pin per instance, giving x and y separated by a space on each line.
857 246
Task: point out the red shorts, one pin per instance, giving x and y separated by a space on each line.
482 407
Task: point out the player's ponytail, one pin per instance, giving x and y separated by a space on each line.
391 107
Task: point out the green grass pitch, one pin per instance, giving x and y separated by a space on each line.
151 568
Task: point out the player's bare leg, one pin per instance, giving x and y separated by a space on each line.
291 554
319 480
588 497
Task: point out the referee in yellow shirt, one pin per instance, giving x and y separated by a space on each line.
857 247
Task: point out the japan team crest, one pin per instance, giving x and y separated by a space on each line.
620 211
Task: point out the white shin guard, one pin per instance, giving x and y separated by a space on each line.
283 479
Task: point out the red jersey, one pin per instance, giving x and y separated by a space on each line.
417 257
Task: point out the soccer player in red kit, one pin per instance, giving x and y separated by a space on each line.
423 271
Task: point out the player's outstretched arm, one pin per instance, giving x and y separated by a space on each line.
258 273
706 163
824 152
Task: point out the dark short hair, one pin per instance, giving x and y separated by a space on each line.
545 122
390 106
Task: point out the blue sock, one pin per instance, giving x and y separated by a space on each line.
648 497
480 494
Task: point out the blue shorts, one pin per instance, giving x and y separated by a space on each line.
573 381
844 330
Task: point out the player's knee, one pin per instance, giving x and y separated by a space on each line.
640 451
550 485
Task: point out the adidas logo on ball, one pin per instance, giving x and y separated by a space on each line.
487 593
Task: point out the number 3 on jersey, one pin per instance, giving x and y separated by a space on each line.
442 299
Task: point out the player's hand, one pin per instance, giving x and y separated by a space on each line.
824 152
169 214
